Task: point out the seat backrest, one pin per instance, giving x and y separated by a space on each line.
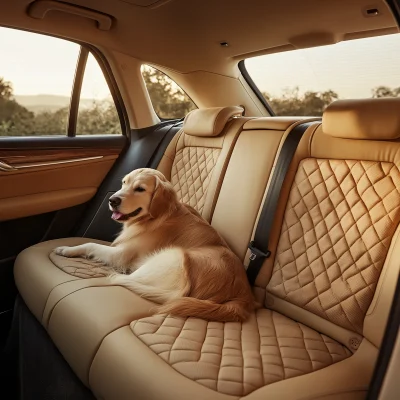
246 178
335 235
196 158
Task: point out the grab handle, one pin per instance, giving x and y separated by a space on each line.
38 9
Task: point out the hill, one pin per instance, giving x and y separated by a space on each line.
47 102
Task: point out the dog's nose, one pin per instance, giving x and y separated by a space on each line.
114 201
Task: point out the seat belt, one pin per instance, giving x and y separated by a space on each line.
259 245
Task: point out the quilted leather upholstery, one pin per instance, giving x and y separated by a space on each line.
79 267
235 358
191 174
338 225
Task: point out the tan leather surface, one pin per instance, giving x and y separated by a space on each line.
79 322
323 146
243 187
372 119
80 267
43 189
348 379
274 123
196 166
40 203
338 225
378 312
348 338
235 358
55 177
36 276
209 121
293 165
113 375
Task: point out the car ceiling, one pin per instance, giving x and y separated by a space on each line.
185 35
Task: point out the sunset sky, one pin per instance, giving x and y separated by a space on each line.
37 64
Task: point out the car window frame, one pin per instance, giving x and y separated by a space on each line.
84 51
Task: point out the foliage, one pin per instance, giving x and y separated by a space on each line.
100 118
294 104
169 100
384 91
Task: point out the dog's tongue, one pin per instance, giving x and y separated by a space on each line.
116 215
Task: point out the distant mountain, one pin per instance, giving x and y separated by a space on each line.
47 102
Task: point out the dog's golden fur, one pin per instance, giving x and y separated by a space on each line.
172 255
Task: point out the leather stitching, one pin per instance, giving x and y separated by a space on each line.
227 352
342 213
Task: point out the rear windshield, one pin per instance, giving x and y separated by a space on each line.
304 82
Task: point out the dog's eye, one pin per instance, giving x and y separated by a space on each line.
139 189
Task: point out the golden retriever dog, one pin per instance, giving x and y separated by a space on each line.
173 256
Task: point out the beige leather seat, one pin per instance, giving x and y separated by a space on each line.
195 161
80 313
327 286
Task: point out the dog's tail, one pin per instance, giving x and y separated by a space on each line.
230 311
148 292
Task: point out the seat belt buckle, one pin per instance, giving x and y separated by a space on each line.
255 252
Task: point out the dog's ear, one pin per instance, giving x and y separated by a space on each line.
164 199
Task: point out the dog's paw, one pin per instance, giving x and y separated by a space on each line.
66 251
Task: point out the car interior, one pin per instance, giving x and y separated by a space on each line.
304 187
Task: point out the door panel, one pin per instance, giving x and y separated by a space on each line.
45 188
63 173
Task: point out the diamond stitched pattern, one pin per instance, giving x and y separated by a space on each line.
191 174
235 358
338 225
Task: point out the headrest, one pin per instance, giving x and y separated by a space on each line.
209 121
370 119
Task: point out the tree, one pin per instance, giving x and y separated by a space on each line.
51 123
6 89
100 118
169 100
384 91
15 120
293 103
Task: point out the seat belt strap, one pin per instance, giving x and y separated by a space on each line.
259 245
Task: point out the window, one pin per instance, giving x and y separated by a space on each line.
37 74
304 82
97 112
169 100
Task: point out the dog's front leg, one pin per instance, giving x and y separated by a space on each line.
98 252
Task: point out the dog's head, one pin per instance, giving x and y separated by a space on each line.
144 192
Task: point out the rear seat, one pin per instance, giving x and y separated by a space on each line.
327 286
80 313
201 149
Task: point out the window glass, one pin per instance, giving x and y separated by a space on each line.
36 78
97 113
169 100
304 82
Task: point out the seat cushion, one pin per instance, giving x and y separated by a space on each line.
36 275
126 368
80 320
235 358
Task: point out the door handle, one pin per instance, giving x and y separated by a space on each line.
6 167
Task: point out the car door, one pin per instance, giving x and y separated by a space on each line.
62 128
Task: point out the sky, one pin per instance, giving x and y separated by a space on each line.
38 64
350 68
